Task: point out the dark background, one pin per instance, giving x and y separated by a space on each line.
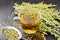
7 14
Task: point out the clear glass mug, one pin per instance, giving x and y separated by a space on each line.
29 21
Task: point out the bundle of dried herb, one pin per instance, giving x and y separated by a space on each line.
49 16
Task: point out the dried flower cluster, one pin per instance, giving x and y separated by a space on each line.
49 16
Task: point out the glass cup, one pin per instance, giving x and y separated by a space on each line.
29 22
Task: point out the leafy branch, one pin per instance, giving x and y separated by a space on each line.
48 16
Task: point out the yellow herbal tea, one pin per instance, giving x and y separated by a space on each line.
29 21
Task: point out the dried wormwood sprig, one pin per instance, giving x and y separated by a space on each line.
48 16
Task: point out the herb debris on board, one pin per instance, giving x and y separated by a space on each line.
49 16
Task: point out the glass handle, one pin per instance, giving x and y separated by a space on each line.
16 18
16 23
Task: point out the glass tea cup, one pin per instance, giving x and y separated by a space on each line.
29 22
